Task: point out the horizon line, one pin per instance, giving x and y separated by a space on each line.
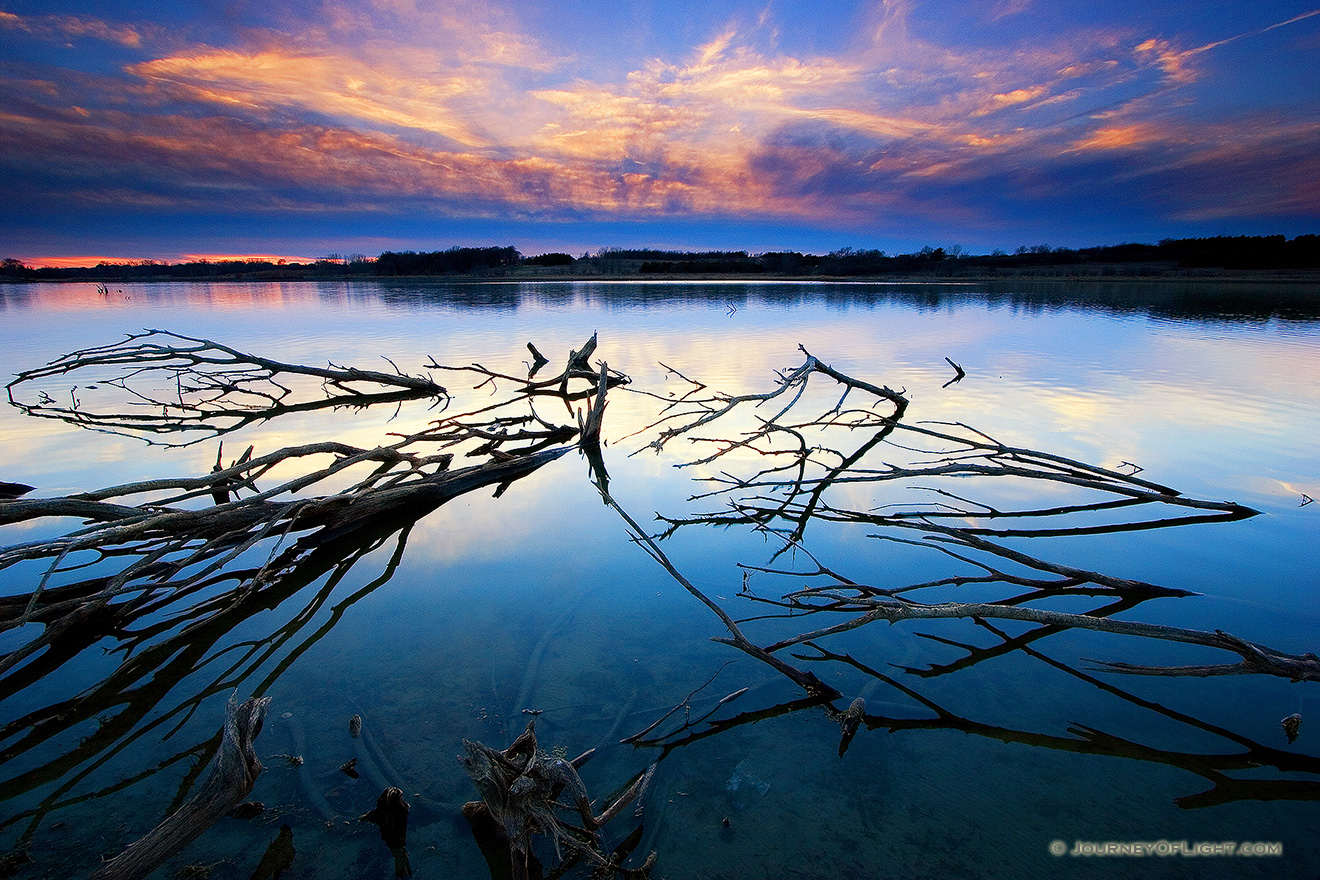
91 262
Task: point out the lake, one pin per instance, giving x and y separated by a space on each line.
983 743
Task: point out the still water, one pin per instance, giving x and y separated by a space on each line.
985 743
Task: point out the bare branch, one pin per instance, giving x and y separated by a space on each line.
214 389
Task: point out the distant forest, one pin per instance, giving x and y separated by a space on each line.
1269 252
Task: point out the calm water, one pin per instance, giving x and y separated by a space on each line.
537 598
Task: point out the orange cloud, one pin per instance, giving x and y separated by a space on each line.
73 262
1117 137
687 122
213 162
1174 62
243 258
1010 99
724 99
336 86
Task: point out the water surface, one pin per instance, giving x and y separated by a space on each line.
538 599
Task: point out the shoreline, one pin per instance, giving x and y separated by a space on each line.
1109 273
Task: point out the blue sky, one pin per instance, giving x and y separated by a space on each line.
176 130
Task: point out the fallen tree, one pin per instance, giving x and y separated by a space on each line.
168 567
785 497
812 463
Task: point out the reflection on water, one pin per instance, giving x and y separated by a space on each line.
1195 301
982 741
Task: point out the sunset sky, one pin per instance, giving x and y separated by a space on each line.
172 130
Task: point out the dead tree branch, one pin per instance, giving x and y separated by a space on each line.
700 411
232 776
830 453
1255 658
161 384
578 367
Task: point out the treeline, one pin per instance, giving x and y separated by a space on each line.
1219 252
1275 252
455 261
149 270
847 262
1222 252
650 255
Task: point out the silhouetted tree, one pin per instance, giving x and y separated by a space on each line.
554 259
455 261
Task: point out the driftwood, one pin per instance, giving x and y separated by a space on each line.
685 414
172 546
788 495
1214 767
10 491
850 720
494 845
212 388
1243 754
958 375
174 570
169 541
232 776
814 466
1256 659
578 367
589 427
538 361
168 534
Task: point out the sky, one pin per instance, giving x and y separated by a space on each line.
168 130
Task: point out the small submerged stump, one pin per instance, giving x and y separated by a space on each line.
278 856
850 721
521 788
390 815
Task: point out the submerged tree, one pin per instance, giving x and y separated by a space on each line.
813 461
168 568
